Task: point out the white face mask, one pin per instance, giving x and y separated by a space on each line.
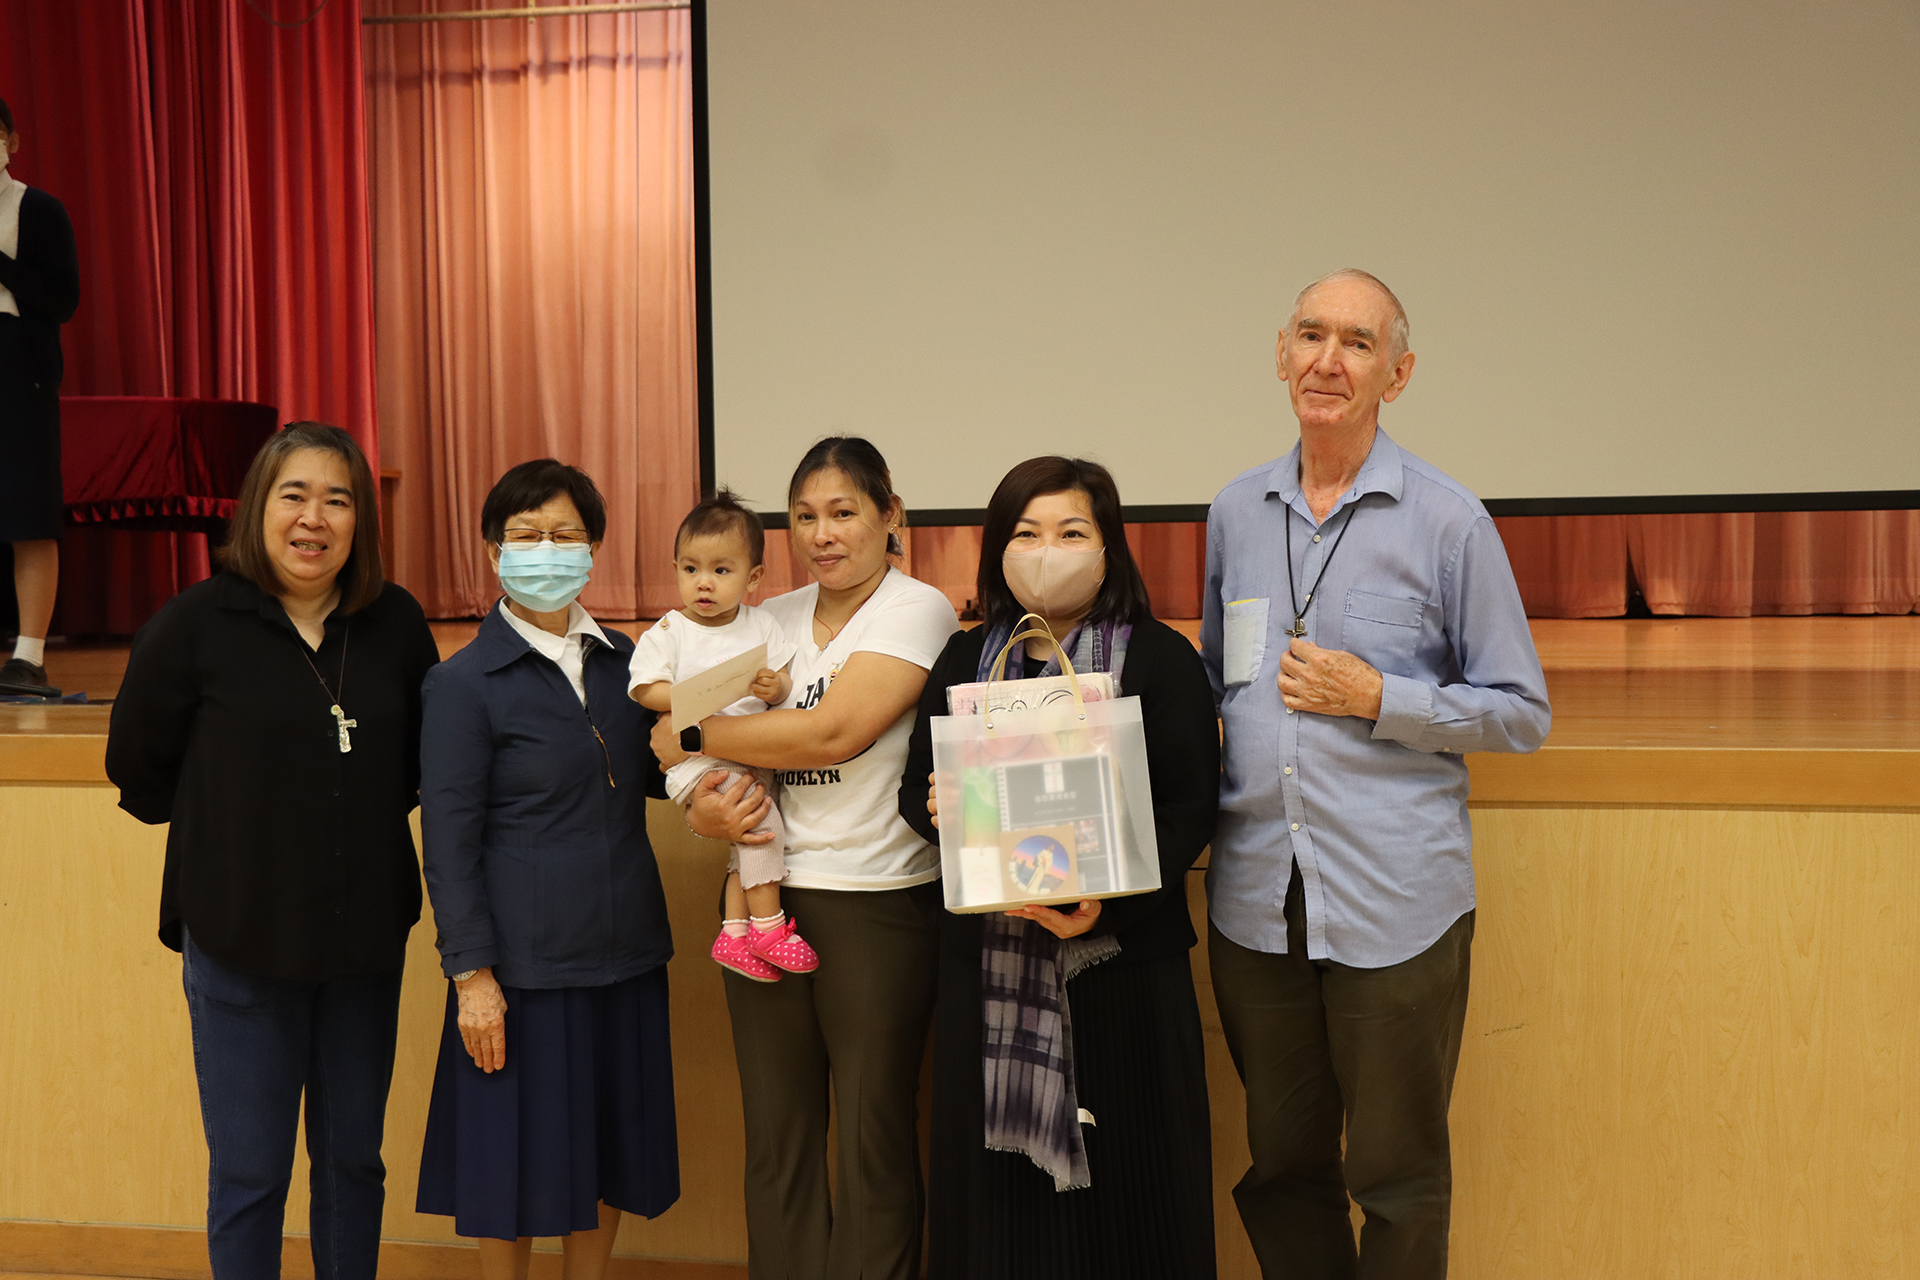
1053 581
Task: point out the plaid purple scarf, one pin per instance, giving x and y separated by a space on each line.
1032 1107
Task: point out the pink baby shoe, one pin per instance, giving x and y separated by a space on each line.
784 948
737 954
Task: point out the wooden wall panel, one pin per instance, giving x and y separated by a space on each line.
1691 1048
1691 1045
99 1116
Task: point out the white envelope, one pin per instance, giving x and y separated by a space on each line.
716 688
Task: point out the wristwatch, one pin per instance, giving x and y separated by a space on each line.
691 740
462 977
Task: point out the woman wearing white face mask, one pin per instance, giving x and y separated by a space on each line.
1132 1080
552 1106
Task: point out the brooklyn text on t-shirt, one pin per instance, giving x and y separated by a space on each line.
808 777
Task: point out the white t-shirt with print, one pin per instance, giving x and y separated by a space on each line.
678 648
844 829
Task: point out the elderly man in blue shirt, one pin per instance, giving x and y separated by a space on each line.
1362 629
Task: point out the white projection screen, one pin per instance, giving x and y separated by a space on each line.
1648 247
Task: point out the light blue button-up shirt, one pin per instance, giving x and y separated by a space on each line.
1375 813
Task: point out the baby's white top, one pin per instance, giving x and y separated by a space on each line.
677 648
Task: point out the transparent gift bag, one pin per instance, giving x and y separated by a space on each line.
1043 799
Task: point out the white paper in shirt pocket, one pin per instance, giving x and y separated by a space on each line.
1244 643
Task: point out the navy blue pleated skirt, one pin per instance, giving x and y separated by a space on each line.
582 1113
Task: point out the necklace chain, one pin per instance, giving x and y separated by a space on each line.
832 631
1300 607
340 720
340 685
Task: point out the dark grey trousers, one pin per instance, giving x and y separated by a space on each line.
857 1027
1320 1046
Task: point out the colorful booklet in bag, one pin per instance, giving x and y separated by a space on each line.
1043 829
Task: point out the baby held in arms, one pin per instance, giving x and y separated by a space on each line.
717 561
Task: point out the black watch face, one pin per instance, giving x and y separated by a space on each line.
690 739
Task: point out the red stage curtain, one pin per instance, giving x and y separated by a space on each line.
1724 566
214 166
534 234
1858 562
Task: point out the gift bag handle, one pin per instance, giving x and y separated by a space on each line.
999 668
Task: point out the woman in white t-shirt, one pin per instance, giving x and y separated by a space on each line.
864 636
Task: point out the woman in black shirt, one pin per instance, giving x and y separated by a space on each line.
271 715
1127 1138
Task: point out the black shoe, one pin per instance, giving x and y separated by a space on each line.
20 677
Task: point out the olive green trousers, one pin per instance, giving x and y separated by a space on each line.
1325 1051
853 1031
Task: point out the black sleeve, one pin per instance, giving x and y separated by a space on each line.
1183 757
955 665
421 654
153 714
45 283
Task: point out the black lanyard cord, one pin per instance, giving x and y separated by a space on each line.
1299 627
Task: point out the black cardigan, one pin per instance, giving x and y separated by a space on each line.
44 279
1183 755
286 858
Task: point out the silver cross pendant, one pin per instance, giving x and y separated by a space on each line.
1299 628
343 724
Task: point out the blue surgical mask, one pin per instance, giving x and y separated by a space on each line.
545 578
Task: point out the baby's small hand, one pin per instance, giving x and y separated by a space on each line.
766 685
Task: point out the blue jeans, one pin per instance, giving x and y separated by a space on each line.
258 1044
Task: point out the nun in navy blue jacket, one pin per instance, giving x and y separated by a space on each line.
554 1115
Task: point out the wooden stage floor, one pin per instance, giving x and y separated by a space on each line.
1730 683
1813 712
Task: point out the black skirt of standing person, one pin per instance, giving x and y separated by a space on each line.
1139 1057
582 1114
1140 1070
44 278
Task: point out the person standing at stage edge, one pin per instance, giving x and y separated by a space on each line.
39 292
271 716
1362 629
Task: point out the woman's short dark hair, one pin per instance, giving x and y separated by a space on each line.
857 459
362 577
1123 596
6 117
533 484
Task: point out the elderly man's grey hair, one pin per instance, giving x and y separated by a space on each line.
1399 332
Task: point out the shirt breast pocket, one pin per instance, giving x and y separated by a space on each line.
1243 641
1384 631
